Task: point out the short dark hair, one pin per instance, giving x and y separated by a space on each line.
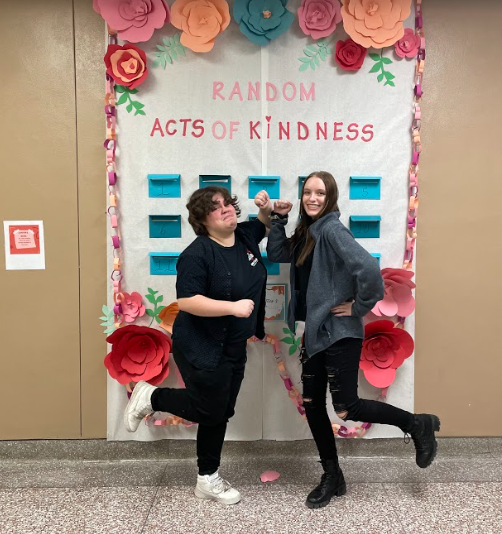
200 205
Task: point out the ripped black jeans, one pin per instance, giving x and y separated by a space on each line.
338 366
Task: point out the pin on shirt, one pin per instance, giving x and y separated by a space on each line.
252 260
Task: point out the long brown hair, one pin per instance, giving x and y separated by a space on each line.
302 236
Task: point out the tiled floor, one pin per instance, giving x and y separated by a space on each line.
99 487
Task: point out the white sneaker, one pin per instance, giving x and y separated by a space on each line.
216 488
139 405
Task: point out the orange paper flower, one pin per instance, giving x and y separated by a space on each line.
376 23
168 315
201 21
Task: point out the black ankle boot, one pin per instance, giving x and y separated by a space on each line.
422 434
332 484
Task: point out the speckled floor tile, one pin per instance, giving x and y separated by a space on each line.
34 511
115 510
356 470
272 508
68 474
467 508
495 445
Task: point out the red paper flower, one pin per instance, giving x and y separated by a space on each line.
138 353
349 55
408 45
126 65
384 349
132 307
398 298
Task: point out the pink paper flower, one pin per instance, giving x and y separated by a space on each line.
134 20
349 55
385 348
138 353
408 45
126 65
398 298
318 18
132 307
376 23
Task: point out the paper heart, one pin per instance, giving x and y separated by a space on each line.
268 117
269 476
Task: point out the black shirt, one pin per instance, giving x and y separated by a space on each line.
248 277
302 276
202 270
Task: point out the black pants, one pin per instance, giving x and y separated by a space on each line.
338 366
209 399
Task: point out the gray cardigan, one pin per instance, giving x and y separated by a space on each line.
341 270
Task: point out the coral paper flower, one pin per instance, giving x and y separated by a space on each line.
132 306
126 65
318 18
201 21
138 353
349 55
134 20
261 21
384 349
398 298
376 23
408 45
168 315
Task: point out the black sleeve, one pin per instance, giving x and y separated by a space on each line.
254 230
192 276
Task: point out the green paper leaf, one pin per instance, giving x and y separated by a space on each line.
304 59
140 112
312 47
103 318
374 57
292 350
156 63
138 105
177 37
390 83
123 99
104 309
181 50
165 40
376 67
119 89
316 59
162 48
389 76
129 108
287 331
133 91
380 77
386 60
160 298
312 65
288 340
309 53
150 298
150 312
163 62
322 54
158 319
104 324
173 53
160 308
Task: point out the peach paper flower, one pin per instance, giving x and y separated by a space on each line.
398 298
132 306
201 22
134 20
376 23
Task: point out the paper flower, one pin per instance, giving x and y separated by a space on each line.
126 65
349 55
201 21
138 353
318 18
168 315
398 298
134 20
261 21
384 349
408 45
376 23
132 307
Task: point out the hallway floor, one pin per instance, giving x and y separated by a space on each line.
128 487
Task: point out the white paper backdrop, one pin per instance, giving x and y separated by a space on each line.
184 90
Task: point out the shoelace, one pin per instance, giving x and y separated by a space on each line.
220 485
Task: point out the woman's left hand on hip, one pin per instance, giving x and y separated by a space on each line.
342 310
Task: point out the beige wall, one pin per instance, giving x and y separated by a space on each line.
51 168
